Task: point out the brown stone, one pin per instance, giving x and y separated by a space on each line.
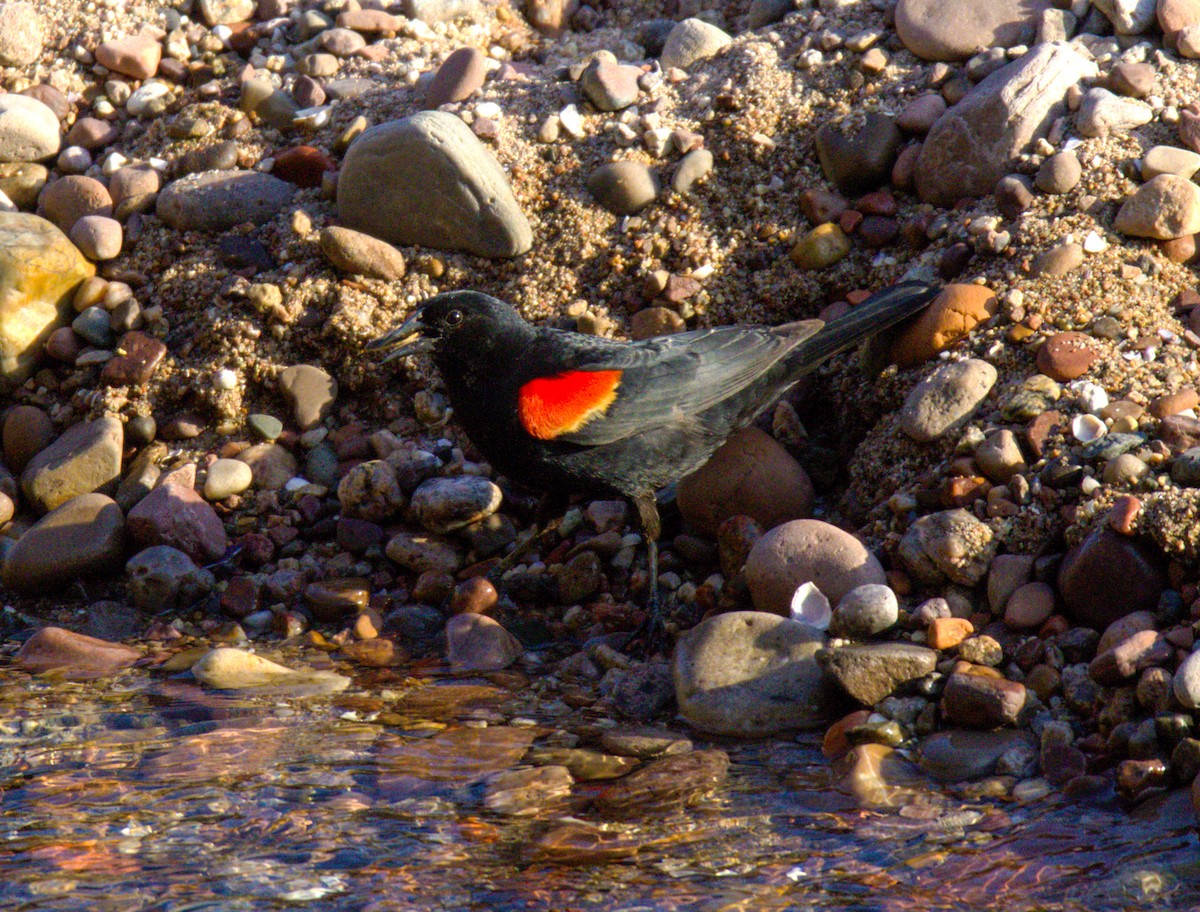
1066 356
1107 576
138 356
949 317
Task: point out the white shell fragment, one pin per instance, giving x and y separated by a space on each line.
1086 428
810 605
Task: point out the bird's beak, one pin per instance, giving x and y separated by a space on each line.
404 340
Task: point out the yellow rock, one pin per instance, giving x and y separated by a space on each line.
948 318
821 247
39 270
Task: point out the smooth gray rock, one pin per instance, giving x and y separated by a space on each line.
748 673
957 754
946 398
428 180
82 538
219 200
29 130
86 458
873 671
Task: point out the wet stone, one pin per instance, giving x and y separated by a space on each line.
73 655
664 785
422 553
333 600
954 755
235 669
977 701
162 578
475 642
871 672
446 504
750 673
529 792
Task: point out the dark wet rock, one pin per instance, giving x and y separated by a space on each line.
979 701
665 785
1107 576
162 578
750 673
334 600
475 642
644 742
858 156
529 792
957 754
871 672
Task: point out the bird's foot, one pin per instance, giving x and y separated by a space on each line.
650 638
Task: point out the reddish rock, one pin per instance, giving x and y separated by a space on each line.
304 166
1107 576
1066 355
979 701
138 359
1140 651
73 654
459 76
136 56
179 517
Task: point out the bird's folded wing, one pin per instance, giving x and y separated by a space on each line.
667 380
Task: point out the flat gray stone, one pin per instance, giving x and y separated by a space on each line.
82 538
946 398
86 458
975 143
936 30
428 180
955 755
748 673
28 129
873 671
219 200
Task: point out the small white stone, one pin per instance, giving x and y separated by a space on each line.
811 606
225 379
295 484
113 163
572 121
1092 396
488 109
1094 243
312 118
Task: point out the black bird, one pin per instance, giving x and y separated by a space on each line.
562 412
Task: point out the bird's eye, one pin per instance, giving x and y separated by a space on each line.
454 317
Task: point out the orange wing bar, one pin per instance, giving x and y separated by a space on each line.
552 406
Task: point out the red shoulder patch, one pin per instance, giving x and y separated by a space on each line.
552 406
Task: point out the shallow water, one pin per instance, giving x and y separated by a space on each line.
146 792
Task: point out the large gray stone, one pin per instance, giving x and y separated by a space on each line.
975 143
219 200
937 30
871 672
749 673
28 129
86 458
428 180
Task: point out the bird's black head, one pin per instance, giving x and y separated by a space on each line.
454 324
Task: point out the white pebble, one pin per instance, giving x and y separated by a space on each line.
1091 395
810 605
1094 243
572 121
225 379
488 109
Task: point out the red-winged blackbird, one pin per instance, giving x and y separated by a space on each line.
562 412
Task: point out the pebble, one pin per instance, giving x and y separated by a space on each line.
951 545
1174 15
1066 356
528 792
692 167
22 34
946 399
303 166
975 142
420 553
821 247
27 431
272 465
691 41
410 181
371 491
1060 173
872 672
162 578
360 254
222 156
807 550
976 701
934 31
264 427
137 357
334 600
1058 260
177 516
750 475
73 655
219 200
947 632
445 504
1142 650
857 156
310 391
1166 206
610 86
664 786
864 612
747 673
920 114
85 458
136 56
97 237
1029 606
1186 682
227 477
81 538
1107 576
66 200
235 669
947 319
624 187
475 642
1103 113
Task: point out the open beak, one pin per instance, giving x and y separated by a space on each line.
404 340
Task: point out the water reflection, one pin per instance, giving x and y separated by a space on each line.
140 793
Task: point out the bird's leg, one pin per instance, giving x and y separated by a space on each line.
648 638
548 510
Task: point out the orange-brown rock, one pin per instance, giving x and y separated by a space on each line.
948 318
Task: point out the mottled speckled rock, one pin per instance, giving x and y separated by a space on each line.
22 34
218 200
39 270
750 475
746 673
428 180
446 504
946 398
803 551
82 538
86 458
951 545
873 671
1165 207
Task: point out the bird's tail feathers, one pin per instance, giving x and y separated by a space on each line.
883 309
